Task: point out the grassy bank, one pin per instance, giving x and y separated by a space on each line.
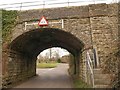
47 65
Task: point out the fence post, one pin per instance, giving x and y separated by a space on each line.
25 25
90 69
95 58
68 3
94 1
20 6
43 4
62 23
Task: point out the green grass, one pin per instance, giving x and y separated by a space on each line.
80 84
47 65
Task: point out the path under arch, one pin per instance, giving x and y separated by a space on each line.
50 78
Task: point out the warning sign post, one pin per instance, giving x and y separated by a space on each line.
43 22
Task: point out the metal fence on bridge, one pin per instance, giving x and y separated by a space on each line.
51 4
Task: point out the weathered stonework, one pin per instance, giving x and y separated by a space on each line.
94 25
18 68
119 44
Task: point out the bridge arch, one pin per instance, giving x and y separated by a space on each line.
26 47
37 40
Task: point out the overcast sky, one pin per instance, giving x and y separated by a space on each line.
17 1
58 50
37 3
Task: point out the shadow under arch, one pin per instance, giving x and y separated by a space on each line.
35 41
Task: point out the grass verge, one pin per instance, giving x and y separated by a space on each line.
77 83
47 65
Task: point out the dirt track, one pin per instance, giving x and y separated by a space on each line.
50 78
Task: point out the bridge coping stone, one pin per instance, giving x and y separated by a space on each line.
92 10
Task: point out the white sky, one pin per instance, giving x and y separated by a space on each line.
58 50
19 1
38 2
16 1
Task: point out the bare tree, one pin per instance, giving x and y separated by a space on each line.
56 55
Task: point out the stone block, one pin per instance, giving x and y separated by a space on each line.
98 10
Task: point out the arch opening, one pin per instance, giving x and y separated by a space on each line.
26 47
52 58
54 52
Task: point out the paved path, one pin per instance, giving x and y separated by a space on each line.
50 78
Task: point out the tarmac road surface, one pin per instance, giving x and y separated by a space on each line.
50 78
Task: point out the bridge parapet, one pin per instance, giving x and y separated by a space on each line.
92 10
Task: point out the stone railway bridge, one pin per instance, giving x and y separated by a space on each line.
85 27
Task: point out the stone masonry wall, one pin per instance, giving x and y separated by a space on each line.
119 44
104 28
71 69
19 68
99 21
118 54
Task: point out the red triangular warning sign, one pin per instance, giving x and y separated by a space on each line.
43 21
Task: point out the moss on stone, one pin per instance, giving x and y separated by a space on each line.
9 19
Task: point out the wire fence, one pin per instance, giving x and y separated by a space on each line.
52 4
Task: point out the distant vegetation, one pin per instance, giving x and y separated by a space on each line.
9 19
47 65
